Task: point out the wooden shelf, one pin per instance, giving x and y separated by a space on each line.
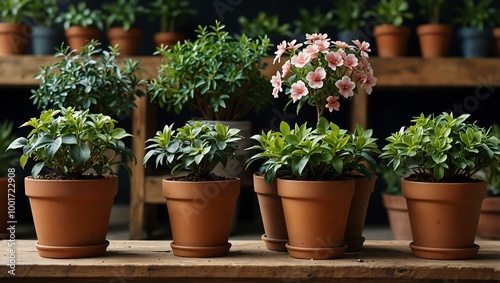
250 261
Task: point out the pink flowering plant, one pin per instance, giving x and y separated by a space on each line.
321 71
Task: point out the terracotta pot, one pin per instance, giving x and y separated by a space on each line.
129 41
357 213
489 220
168 38
200 216
271 210
496 41
316 216
71 217
397 212
392 41
4 217
14 38
79 36
444 218
434 39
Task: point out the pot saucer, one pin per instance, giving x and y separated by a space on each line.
189 251
71 251
444 253
316 253
354 245
275 244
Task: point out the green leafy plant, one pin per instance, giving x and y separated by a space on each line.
215 74
13 11
172 13
266 24
7 158
350 15
313 21
443 149
43 12
477 14
392 12
91 79
70 142
196 147
487 173
122 13
81 15
432 9
325 153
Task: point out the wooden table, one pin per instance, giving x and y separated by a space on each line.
249 261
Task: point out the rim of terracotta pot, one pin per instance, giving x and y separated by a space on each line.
116 32
59 188
434 29
389 29
78 31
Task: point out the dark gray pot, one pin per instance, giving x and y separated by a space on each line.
44 40
475 43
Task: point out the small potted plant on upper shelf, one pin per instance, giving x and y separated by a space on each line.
200 204
8 166
391 34
350 17
477 18
265 24
172 15
444 198
434 36
121 16
82 25
71 207
46 36
14 35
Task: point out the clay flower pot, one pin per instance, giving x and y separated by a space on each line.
489 220
316 216
434 39
397 212
168 38
496 41
3 208
392 41
128 41
357 213
14 38
79 36
271 210
444 218
71 217
200 216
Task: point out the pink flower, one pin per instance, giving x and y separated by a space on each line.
298 91
281 49
334 60
332 103
363 47
293 46
312 51
369 82
364 64
285 69
345 86
311 38
300 59
277 84
340 44
315 78
350 61
323 45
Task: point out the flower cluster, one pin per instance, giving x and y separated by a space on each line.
320 71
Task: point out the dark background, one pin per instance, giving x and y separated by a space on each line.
389 108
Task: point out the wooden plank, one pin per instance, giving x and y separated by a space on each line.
379 261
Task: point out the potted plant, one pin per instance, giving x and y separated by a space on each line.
349 18
434 36
121 15
477 19
318 73
313 21
394 202
71 208
46 36
82 25
91 79
200 204
14 35
265 24
443 197
391 34
172 15
7 170
217 75
489 220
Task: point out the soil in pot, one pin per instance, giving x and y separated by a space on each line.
392 41
489 220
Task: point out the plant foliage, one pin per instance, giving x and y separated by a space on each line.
262 24
432 9
81 15
392 12
350 15
172 13
43 12
13 11
477 14
7 158
122 13
313 21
